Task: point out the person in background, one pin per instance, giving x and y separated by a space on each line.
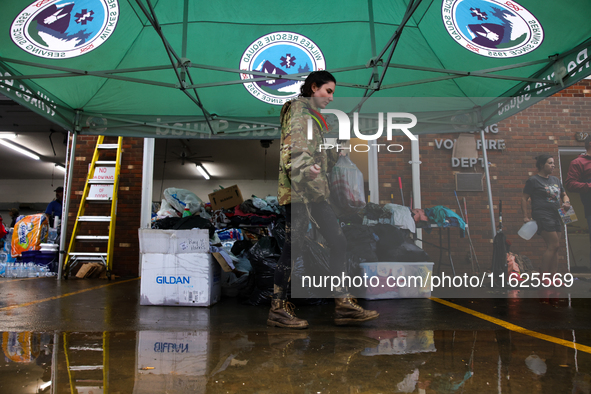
304 191
13 215
578 180
547 196
54 209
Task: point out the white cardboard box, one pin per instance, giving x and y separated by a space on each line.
400 342
390 287
173 362
174 241
189 279
177 268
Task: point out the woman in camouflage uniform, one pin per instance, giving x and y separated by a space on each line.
304 191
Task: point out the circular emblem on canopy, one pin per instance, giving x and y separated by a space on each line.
63 29
282 53
492 28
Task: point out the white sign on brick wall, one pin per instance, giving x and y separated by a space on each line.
100 192
104 173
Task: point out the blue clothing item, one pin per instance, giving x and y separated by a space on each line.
445 217
54 208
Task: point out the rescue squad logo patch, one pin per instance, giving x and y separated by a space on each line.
61 29
282 53
492 28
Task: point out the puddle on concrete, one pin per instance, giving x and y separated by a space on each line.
279 361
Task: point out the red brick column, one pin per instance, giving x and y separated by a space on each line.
126 253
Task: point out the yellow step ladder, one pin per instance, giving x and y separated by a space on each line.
102 184
87 362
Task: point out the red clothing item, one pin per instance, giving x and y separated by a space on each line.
579 175
2 229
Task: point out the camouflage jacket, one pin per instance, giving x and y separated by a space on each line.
298 155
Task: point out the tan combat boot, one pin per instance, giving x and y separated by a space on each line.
347 311
282 315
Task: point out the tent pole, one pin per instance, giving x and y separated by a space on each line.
487 174
176 61
184 42
185 27
374 61
66 203
416 183
147 183
409 11
373 181
412 7
372 156
147 186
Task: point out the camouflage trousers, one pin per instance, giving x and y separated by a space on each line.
297 223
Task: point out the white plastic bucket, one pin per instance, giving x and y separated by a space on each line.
528 230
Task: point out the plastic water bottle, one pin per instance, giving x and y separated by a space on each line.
528 230
32 271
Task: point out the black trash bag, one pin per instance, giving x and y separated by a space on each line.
361 243
278 232
374 211
190 222
165 223
389 240
240 246
354 269
499 259
315 261
408 252
263 257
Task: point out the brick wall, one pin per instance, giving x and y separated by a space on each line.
542 128
126 252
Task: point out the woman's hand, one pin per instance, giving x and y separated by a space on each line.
526 219
314 171
566 205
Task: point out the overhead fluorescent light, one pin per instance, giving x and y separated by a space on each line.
203 171
17 148
60 167
9 136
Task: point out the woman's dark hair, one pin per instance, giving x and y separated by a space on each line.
316 77
541 160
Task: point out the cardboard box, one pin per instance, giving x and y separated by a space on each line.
400 342
172 362
389 288
177 268
174 241
189 279
226 198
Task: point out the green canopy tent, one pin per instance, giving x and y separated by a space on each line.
176 68
196 69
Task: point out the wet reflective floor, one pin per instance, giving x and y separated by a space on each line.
91 336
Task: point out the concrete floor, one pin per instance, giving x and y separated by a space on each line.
92 336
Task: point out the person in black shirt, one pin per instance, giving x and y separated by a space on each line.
547 196
13 215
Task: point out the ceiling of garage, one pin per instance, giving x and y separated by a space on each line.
173 159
